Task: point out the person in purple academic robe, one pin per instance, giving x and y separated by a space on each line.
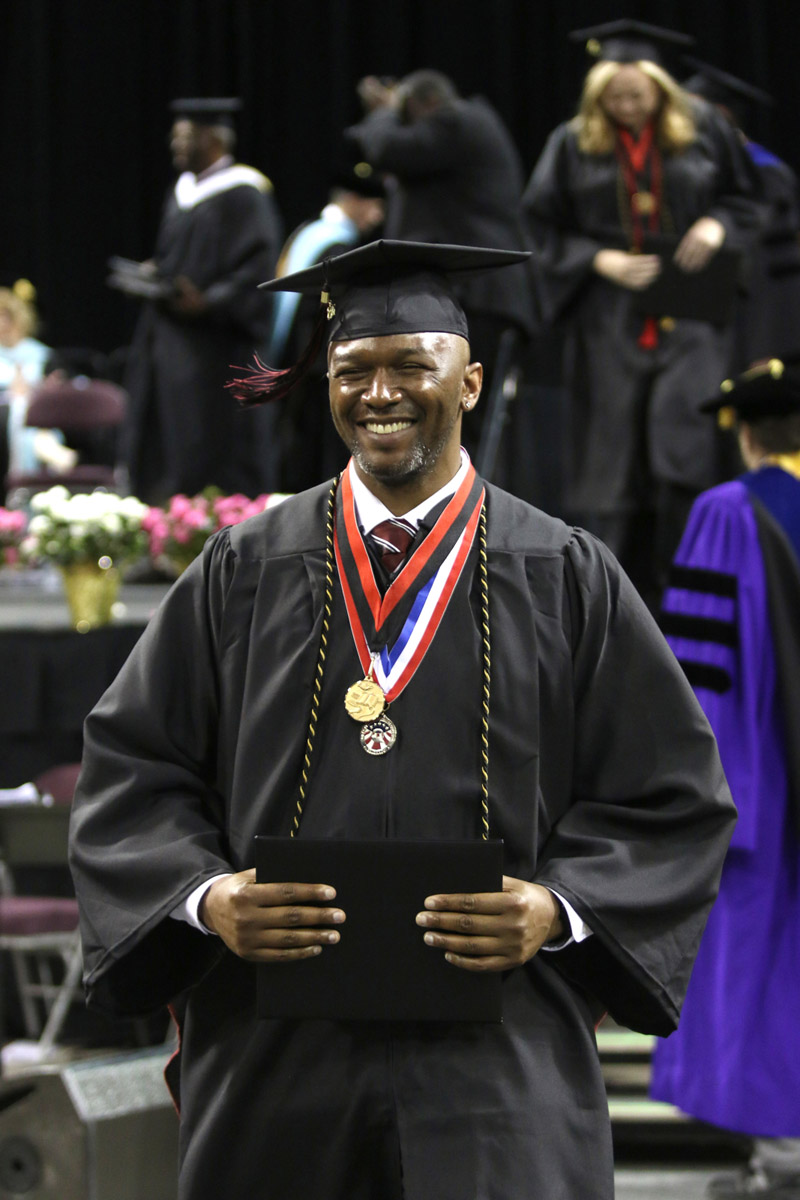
732 617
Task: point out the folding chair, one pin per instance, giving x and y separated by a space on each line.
38 929
81 408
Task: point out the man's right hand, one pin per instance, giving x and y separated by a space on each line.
633 271
270 922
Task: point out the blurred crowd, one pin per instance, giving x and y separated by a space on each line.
664 258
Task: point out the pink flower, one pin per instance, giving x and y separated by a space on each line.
179 505
196 518
11 520
152 519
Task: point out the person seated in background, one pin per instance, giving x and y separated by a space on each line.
23 364
731 617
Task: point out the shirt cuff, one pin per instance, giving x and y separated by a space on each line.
189 909
579 931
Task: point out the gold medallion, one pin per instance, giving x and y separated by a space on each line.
365 700
643 203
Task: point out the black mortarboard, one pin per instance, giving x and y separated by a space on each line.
206 110
627 41
361 178
719 87
766 389
382 288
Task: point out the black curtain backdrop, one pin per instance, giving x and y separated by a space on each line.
86 84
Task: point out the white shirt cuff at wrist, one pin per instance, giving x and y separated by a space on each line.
579 931
189 909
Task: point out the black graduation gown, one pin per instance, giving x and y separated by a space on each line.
633 411
768 324
185 431
604 783
458 179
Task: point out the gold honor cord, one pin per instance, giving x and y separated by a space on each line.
487 676
323 649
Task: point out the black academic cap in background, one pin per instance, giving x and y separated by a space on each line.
719 87
206 110
769 388
627 41
377 290
359 177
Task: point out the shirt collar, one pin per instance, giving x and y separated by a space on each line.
370 511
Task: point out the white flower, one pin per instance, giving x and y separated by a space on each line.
39 524
133 508
111 523
42 501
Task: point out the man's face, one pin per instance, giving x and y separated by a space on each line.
397 403
188 146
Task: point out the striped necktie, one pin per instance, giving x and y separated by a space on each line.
392 540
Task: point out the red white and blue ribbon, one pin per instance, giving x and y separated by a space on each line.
393 632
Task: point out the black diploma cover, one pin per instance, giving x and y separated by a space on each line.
381 969
707 295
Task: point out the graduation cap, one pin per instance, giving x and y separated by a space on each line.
377 290
361 178
719 87
206 110
769 388
627 41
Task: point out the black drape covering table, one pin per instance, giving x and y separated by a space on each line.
51 676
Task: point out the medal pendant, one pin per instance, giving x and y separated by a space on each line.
365 701
378 737
643 203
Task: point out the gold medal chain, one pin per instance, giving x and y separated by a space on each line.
483 569
323 649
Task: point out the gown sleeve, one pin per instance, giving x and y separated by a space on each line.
147 823
736 199
639 851
563 254
428 146
715 615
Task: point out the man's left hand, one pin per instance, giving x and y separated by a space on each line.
492 931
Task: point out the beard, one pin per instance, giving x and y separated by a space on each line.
421 458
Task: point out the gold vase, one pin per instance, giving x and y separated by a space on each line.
91 591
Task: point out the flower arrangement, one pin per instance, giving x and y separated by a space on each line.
99 528
12 529
179 531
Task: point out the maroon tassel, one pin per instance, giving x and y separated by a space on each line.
259 384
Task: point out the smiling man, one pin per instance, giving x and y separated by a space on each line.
520 691
397 403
